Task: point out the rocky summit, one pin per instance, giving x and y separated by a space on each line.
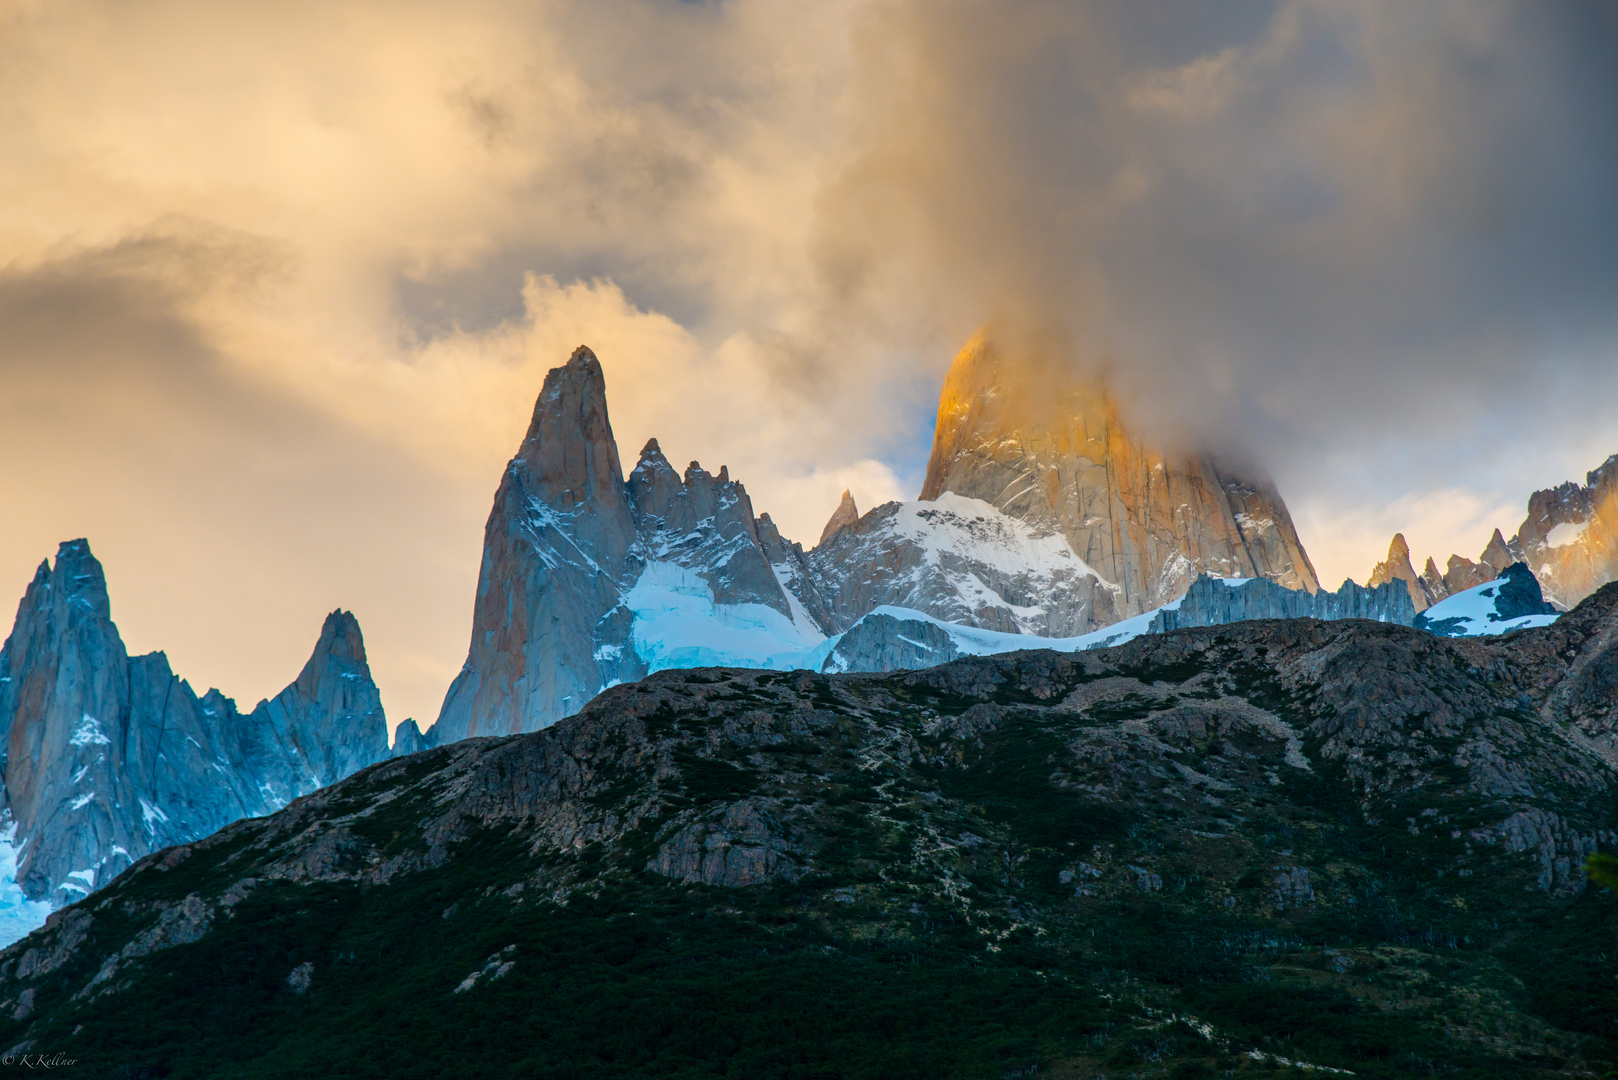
108 757
1569 541
1260 849
1570 536
590 578
1039 445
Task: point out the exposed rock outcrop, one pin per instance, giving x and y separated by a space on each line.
1212 602
703 523
1570 536
1040 446
846 514
108 757
1249 782
1397 567
567 542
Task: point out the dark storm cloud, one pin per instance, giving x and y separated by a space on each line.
1306 223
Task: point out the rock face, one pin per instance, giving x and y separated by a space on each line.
1427 801
1038 446
1397 567
568 544
331 716
1569 540
961 560
1215 602
845 515
556 555
108 756
1570 536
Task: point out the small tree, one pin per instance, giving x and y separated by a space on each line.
1603 870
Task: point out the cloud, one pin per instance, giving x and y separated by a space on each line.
278 284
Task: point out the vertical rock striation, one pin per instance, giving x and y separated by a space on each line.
846 514
1038 446
547 632
1397 567
1570 536
108 757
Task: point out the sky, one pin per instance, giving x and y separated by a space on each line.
279 283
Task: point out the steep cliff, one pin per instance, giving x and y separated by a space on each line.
846 514
108 756
1570 536
1397 567
589 579
548 631
1038 445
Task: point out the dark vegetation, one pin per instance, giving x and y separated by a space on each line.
998 900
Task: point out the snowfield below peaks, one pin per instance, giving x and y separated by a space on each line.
678 624
1477 611
962 561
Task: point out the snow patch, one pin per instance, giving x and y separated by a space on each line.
677 624
1475 609
1566 533
972 529
19 916
149 814
89 733
83 800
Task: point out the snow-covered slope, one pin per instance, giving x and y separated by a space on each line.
678 624
1510 602
960 560
890 637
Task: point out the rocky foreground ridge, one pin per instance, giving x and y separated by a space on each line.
108 757
1346 843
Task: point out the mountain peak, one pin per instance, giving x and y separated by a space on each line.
333 711
845 515
1496 553
79 576
570 454
1040 442
1397 567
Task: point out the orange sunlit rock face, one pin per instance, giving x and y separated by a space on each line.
1025 435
